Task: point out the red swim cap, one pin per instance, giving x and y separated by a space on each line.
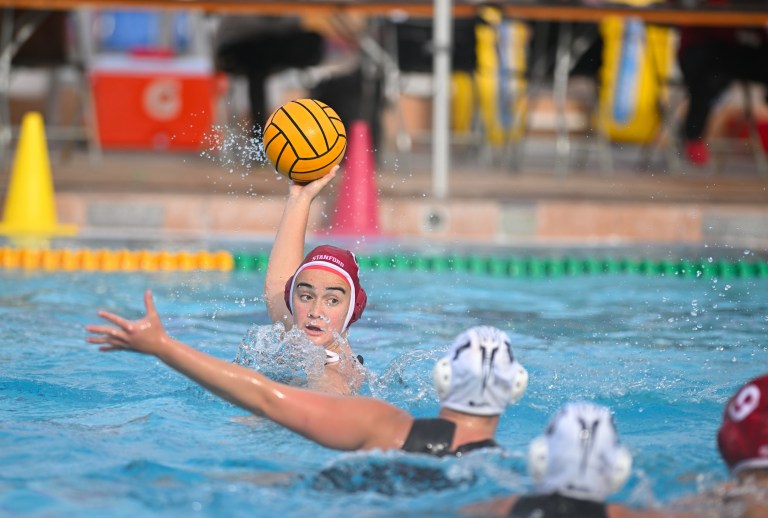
344 264
743 436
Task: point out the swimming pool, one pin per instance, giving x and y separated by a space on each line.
90 434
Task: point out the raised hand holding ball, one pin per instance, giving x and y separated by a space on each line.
304 139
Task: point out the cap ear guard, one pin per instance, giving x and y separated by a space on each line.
441 375
519 386
622 468
538 457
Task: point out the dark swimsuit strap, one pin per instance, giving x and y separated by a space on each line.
555 505
434 436
477 445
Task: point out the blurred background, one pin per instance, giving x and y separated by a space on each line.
545 99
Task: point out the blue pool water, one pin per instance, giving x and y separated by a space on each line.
84 433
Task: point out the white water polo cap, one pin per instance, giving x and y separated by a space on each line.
580 455
479 375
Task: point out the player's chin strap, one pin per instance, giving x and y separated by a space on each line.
331 357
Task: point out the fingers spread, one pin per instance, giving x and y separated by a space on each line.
149 303
115 319
102 330
106 335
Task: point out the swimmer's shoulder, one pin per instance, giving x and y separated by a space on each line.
710 503
621 511
496 508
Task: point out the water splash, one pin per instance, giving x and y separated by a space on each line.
408 379
290 357
725 500
235 147
284 356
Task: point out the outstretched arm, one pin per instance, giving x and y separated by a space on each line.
342 423
288 248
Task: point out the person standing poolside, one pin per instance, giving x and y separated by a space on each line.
743 444
321 294
711 59
575 466
475 381
258 46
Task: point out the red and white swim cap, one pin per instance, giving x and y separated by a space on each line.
344 264
743 435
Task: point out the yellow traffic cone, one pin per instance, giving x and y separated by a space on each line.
30 209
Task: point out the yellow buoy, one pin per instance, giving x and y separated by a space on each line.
223 260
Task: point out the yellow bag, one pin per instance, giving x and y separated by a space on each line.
500 76
462 103
636 59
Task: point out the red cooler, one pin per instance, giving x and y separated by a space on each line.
153 102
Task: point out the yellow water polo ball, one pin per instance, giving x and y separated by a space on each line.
304 139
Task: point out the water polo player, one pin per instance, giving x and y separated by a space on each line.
475 381
743 444
575 466
321 294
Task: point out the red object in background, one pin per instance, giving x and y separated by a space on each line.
697 152
357 203
737 126
155 105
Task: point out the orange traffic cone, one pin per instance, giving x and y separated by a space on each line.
357 204
30 210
